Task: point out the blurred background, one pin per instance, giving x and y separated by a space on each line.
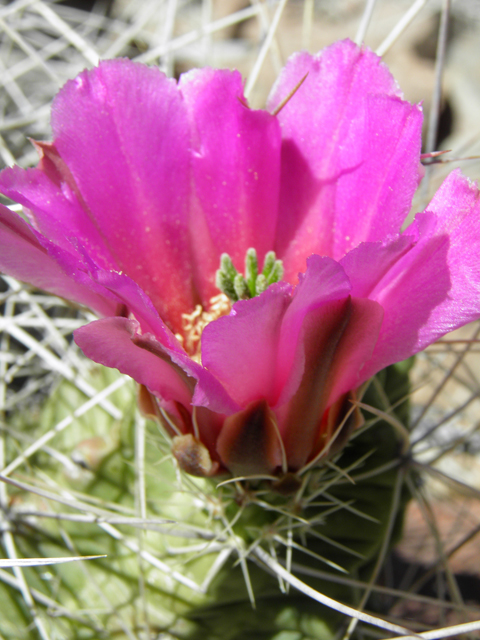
43 44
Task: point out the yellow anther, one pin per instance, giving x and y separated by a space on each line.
195 322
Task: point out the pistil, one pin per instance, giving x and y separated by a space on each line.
239 287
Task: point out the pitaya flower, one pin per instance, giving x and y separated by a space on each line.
149 186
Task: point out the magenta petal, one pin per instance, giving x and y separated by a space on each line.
311 328
240 349
373 200
337 339
138 303
154 361
23 256
209 391
125 294
350 153
367 264
355 347
236 168
323 282
435 287
54 209
326 338
116 343
322 329
123 132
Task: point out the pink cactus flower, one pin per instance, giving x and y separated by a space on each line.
149 182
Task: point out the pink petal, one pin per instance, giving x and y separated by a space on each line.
117 343
167 373
209 392
367 264
326 337
322 329
323 282
126 296
23 257
337 339
350 157
122 130
434 287
240 349
355 347
52 203
136 302
236 168
373 200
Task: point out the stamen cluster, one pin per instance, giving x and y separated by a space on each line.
195 322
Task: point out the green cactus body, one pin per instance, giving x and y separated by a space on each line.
179 549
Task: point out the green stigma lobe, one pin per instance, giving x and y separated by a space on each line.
239 287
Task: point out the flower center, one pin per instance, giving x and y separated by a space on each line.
238 287
233 286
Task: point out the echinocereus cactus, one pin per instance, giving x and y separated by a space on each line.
147 205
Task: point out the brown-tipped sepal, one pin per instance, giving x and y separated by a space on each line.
249 443
193 456
147 404
338 423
